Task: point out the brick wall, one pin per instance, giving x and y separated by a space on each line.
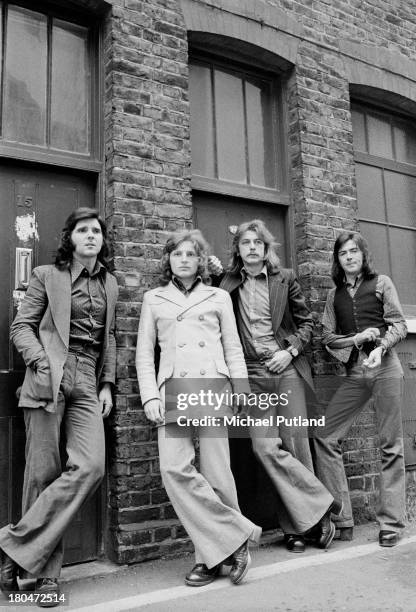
147 190
147 195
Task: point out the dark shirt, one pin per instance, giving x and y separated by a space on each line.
179 285
88 306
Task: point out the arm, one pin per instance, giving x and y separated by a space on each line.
145 364
301 316
339 345
393 317
393 313
233 352
24 329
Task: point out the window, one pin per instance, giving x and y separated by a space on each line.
235 131
238 153
385 156
48 73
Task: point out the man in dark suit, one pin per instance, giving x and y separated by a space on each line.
65 333
275 326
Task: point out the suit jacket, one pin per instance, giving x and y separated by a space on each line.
292 321
197 335
40 333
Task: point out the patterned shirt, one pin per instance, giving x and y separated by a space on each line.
393 317
254 316
88 305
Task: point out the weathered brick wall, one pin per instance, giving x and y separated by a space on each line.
147 195
147 189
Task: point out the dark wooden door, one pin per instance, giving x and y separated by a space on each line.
33 206
215 216
407 355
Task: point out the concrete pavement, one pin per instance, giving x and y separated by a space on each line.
356 576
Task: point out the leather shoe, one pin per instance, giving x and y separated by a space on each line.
8 574
47 586
295 543
327 531
242 562
200 575
388 538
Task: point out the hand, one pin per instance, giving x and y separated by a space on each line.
214 265
106 399
240 403
368 335
279 362
155 411
374 358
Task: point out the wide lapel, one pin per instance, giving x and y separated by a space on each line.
58 289
230 282
199 294
278 298
111 292
172 294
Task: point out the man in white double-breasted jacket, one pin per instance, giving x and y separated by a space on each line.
194 326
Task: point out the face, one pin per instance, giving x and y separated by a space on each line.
184 261
87 238
350 258
251 248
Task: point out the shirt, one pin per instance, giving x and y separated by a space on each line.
254 316
179 285
88 305
392 314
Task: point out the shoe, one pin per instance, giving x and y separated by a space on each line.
295 543
8 574
327 531
48 588
388 538
346 534
242 562
200 575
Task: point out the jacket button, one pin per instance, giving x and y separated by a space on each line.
201 317
183 373
202 372
179 318
201 343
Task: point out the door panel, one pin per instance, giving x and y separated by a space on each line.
214 215
34 204
406 351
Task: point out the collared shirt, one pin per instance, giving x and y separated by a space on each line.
254 316
392 315
179 285
88 305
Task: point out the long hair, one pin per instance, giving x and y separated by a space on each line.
201 247
66 248
271 258
368 270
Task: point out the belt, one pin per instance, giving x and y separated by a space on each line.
84 349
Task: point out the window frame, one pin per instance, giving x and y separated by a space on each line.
91 161
280 194
382 163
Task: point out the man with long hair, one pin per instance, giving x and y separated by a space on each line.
275 326
64 331
362 322
193 325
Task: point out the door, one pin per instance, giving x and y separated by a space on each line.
34 204
216 216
